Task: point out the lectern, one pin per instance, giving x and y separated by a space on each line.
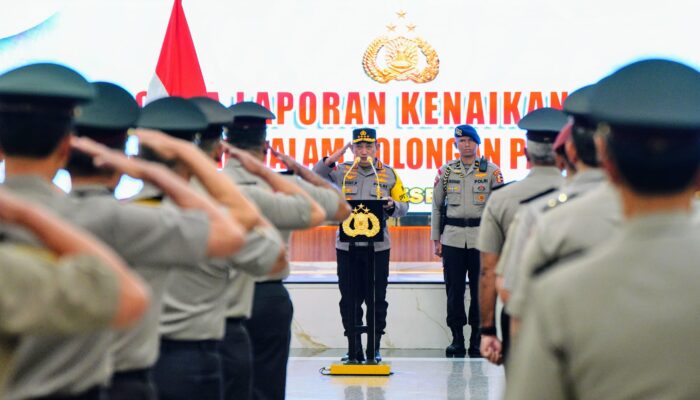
361 230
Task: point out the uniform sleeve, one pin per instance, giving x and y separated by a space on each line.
518 235
400 196
162 235
533 257
42 296
438 198
496 177
491 235
508 246
537 370
325 171
260 253
282 210
325 197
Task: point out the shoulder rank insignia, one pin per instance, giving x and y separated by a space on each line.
559 200
537 196
557 261
501 186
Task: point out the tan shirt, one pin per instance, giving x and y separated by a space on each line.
619 323
361 184
41 295
574 226
466 191
521 227
504 203
54 364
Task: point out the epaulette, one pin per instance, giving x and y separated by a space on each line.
538 195
559 200
557 261
149 202
501 186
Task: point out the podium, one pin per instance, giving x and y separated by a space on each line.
361 230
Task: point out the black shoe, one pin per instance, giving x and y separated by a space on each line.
474 353
456 348
360 357
474 343
359 354
377 354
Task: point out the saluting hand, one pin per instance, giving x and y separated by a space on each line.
164 145
104 157
291 163
250 163
333 158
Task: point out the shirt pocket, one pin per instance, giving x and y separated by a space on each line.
383 190
454 193
350 190
480 193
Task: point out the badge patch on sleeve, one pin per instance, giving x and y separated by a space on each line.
499 177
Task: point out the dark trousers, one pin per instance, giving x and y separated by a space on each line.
133 385
189 370
237 361
95 393
270 332
356 263
505 332
458 263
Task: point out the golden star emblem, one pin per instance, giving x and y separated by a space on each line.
391 27
411 27
401 14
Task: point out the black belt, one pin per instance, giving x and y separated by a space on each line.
463 222
190 344
94 393
142 375
269 282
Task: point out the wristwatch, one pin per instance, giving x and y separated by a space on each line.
488 330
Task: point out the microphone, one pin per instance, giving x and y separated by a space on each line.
354 164
376 177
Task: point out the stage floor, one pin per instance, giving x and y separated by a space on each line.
399 272
416 375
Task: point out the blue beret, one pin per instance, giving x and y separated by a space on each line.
467 130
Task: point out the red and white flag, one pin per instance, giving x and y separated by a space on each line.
178 72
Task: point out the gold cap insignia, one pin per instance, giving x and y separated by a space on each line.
401 58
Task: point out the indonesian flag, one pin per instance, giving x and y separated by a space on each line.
178 72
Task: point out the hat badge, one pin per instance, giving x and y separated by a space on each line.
458 132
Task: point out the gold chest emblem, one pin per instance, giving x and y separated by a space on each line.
361 222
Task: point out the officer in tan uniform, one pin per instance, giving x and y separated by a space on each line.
601 326
462 187
237 302
37 108
542 127
554 232
358 180
74 284
287 206
192 322
584 174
